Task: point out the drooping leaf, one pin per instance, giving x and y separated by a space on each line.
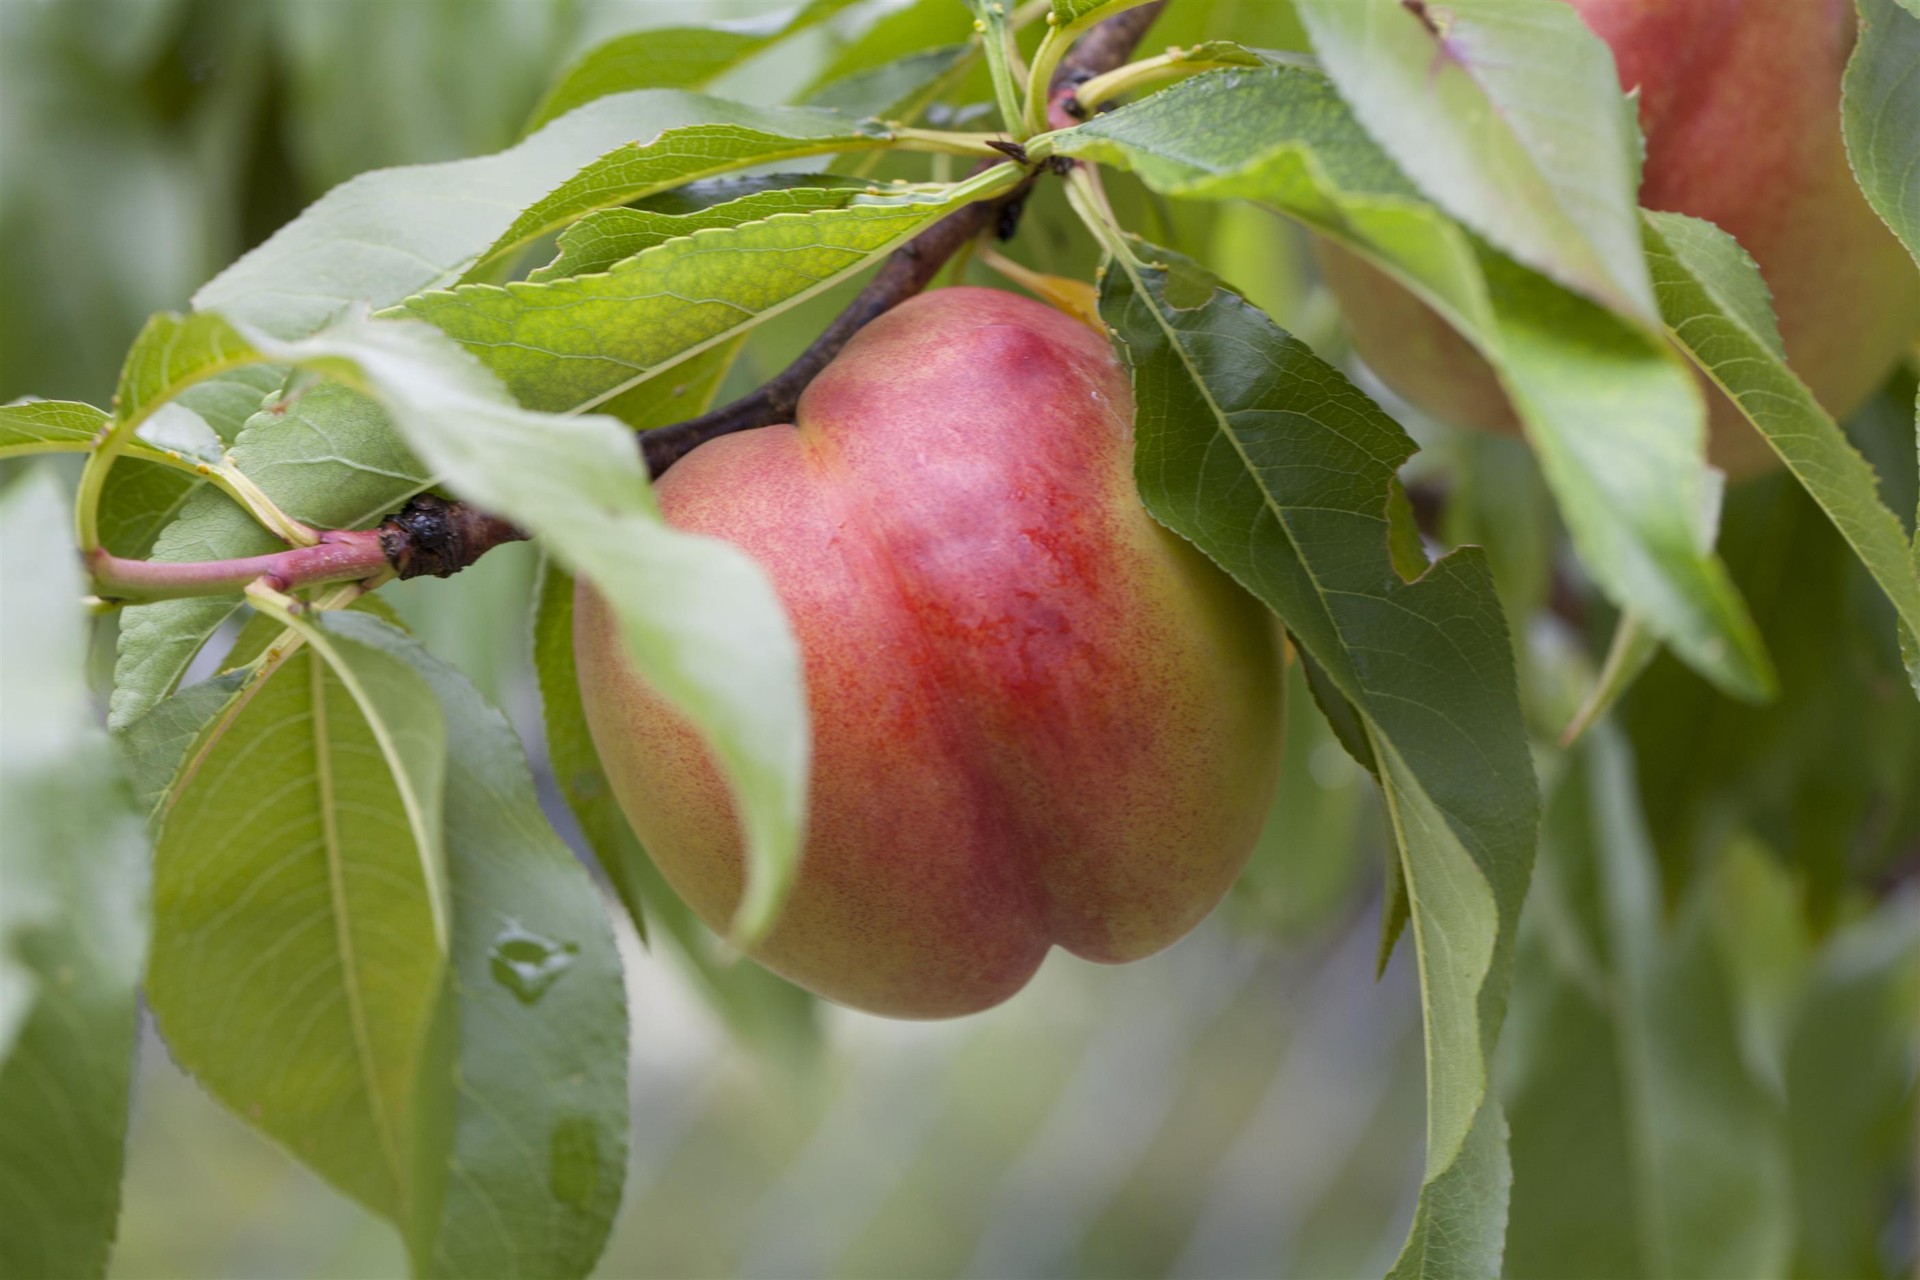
1880 113
535 1149
299 955
73 919
1280 470
576 343
673 57
1613 414
1714 301
1644 1144
760 1007
1509 114
385 235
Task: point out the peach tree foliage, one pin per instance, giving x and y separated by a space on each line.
325 865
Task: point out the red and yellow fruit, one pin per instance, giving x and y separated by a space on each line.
1740 105
1039 718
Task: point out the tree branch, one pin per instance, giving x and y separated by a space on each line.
433 536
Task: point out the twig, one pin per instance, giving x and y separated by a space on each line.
433 536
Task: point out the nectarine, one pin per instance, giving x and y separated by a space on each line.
1038 717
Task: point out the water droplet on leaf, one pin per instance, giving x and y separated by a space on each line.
527 964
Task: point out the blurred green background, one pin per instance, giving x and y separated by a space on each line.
1251 1102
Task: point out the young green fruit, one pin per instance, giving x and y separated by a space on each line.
1740 105
1038 717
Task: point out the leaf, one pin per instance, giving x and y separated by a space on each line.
155 744
729 136
1508 113
1849 1085
1714 302
73 924
759 1006
699 618
898 90
1084 13
571 344
388 234
328 457
1615 418
170 353
673 57
536 1149
157 641
298 899
600 240
141 494
48 426
1276 467
1880 114
1643 1142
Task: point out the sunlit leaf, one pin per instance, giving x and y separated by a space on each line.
599 240
731 137
576 343
384 235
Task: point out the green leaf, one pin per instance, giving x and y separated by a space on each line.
1508 113
155 744
990 19
729 136
157 641
298 905
73 924
760 1007
536 1149
1276 467
899 90
388 234
1615 417
699 618
327 456
571 344
48 426
1880 114
600 240
672 57
1644 1144
171 353
1850 1101
1714 302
